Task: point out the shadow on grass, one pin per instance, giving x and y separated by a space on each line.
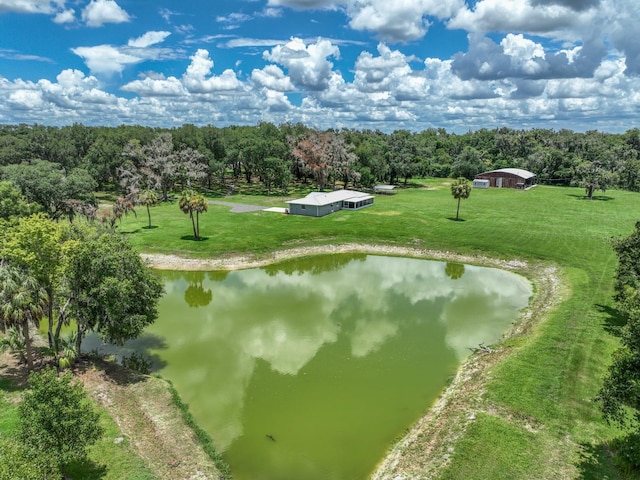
411 185
18 381
606 461
85 469
152 227
14 375
602 198
596 463
107 358
454 219
193 239
613 319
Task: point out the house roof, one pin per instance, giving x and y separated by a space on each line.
513 171
325 198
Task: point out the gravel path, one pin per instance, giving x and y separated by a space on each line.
239 207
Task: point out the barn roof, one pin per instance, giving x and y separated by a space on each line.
325 198
513 171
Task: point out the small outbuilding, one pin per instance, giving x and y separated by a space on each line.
480 183
508 178
384 189
319 204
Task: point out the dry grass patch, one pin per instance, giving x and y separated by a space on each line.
143 409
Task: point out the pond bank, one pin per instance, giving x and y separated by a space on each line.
427 447
175 262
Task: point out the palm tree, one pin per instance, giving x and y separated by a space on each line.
460 189
14 342
148 198
190 202
22 304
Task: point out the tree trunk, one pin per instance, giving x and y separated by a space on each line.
193 222
50 316
61 319
80 335
27 344
458 210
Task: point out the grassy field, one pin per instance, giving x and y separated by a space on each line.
544 422
552 375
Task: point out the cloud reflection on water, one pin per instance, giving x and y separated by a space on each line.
284 316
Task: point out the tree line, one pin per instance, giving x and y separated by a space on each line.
75 274
275 156
619 396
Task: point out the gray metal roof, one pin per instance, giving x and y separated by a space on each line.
325 198
513 171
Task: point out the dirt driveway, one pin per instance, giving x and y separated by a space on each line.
239 207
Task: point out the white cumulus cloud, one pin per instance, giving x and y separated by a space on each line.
99 12
148 39
29 6
308 65
273 78
198 77
399 20
383 72
105 59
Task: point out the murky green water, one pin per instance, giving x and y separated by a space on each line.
310 369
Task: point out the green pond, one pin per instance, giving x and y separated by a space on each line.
312 368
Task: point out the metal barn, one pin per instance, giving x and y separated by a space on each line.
509 178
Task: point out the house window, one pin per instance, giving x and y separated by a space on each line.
303 207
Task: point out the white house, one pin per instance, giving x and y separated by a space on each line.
318 204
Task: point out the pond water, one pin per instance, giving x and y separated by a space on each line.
310 369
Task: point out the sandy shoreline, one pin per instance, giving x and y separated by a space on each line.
427 446
174 262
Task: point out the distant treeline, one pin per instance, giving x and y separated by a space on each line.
275 156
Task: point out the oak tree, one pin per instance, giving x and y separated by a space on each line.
111 290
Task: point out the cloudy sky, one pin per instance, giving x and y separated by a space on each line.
380 64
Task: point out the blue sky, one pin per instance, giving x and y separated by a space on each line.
362 64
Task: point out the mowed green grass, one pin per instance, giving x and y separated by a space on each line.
111 458
547 386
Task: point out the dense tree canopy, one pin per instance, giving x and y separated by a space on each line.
48 184
35 245
110 289
75 272
12 203
619 396
192 157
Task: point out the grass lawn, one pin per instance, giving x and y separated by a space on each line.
551 376
111 458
